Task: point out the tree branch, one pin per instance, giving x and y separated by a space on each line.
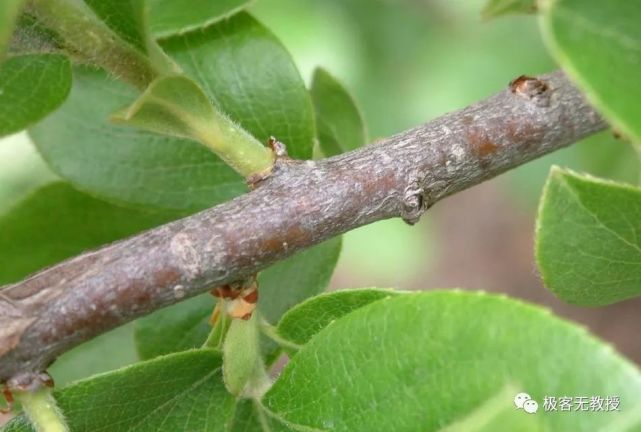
301 204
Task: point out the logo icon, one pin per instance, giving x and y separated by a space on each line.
526 403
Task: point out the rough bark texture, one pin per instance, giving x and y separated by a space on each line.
301 204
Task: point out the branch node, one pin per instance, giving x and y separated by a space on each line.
415 202
29 382
279 150
532 89
239 298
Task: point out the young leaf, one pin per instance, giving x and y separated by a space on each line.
57 222
179 392
251 77
130 21
242 362
597 43
494 8
338 119
36 84
424 361
31 37
588 239
124 165
9 11
109 34
176 106
238 63
171 17
281 286
303 321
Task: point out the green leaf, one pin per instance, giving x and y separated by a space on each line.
306 319
598 43
179 392
123 17
339 121
31 86
176 106
281 286
603 155
427 360
9 11
179 327
495 8
170 17
124 165
57 222
589 239
239 64
96 356
247 72
250 416
295 279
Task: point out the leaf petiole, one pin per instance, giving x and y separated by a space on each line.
42 410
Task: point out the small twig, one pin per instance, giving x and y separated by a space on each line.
301 204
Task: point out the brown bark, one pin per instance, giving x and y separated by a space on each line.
301 204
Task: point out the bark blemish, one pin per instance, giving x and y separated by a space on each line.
183 249
482 147
480 144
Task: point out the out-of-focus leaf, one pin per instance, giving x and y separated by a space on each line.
599 44
107 352
31 86
494 8
589 239
9 11
171 17
427 360
57 222
303 321
31 37
281 286
239 65
179 327
291 281
338 119
180 392
603 155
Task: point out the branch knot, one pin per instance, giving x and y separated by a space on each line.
415 202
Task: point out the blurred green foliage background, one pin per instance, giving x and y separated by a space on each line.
406 62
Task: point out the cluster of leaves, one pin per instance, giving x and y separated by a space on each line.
588 235
211 77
